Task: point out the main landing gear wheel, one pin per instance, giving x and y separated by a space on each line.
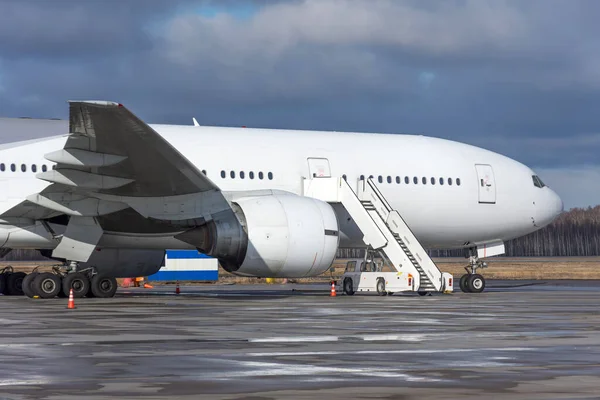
14 283
103 286
2 283
27 285
476 283
47 285
348 289
77 281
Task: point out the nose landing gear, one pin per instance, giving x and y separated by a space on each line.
472 282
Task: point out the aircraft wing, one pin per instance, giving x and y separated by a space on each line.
108 140
113 162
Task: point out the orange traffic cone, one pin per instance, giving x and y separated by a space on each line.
333 289
148 286
177 288
71 300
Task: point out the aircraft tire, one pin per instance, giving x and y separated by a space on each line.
14 283
47 285
79 282
422 293
103 286
476 283
27 285
3 283
381 287
348 288
462 283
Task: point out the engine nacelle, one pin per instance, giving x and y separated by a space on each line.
271 236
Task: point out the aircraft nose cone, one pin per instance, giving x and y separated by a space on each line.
551 207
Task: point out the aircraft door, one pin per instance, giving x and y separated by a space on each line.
319 167
486 184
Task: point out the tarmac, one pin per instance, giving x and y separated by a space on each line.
517 340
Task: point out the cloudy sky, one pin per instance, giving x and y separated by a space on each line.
518 77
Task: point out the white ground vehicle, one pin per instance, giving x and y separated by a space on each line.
377 276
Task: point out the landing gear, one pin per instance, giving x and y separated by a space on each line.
79 282
103 286
47 285
28 285
11 282
472 282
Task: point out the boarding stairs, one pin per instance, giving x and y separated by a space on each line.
383 229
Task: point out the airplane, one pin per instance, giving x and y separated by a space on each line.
105 194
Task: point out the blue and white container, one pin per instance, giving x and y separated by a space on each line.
187 265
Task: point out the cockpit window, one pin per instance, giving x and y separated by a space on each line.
537 182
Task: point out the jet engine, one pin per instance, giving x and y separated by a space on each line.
276 235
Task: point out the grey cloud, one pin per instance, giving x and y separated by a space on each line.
518 77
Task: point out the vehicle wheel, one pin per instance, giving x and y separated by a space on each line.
79 282
381 287
476 283
421 293
103 286
463 283
47 285
14 283
3 283
27 285
348 288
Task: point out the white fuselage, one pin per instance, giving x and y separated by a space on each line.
441 215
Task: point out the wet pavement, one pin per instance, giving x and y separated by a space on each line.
533 340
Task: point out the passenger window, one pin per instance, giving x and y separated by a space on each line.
242 175
44 168
389 179
398 180
232 174
204 171
406 180
345 178
260 175
2 167
380 179
362 177
251 174
33 168
432 180
23 168
441 181
424 180
223 175
450 181
457 181
416 180
13 167
370 176
270 175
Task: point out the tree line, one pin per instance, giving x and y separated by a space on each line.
574 233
